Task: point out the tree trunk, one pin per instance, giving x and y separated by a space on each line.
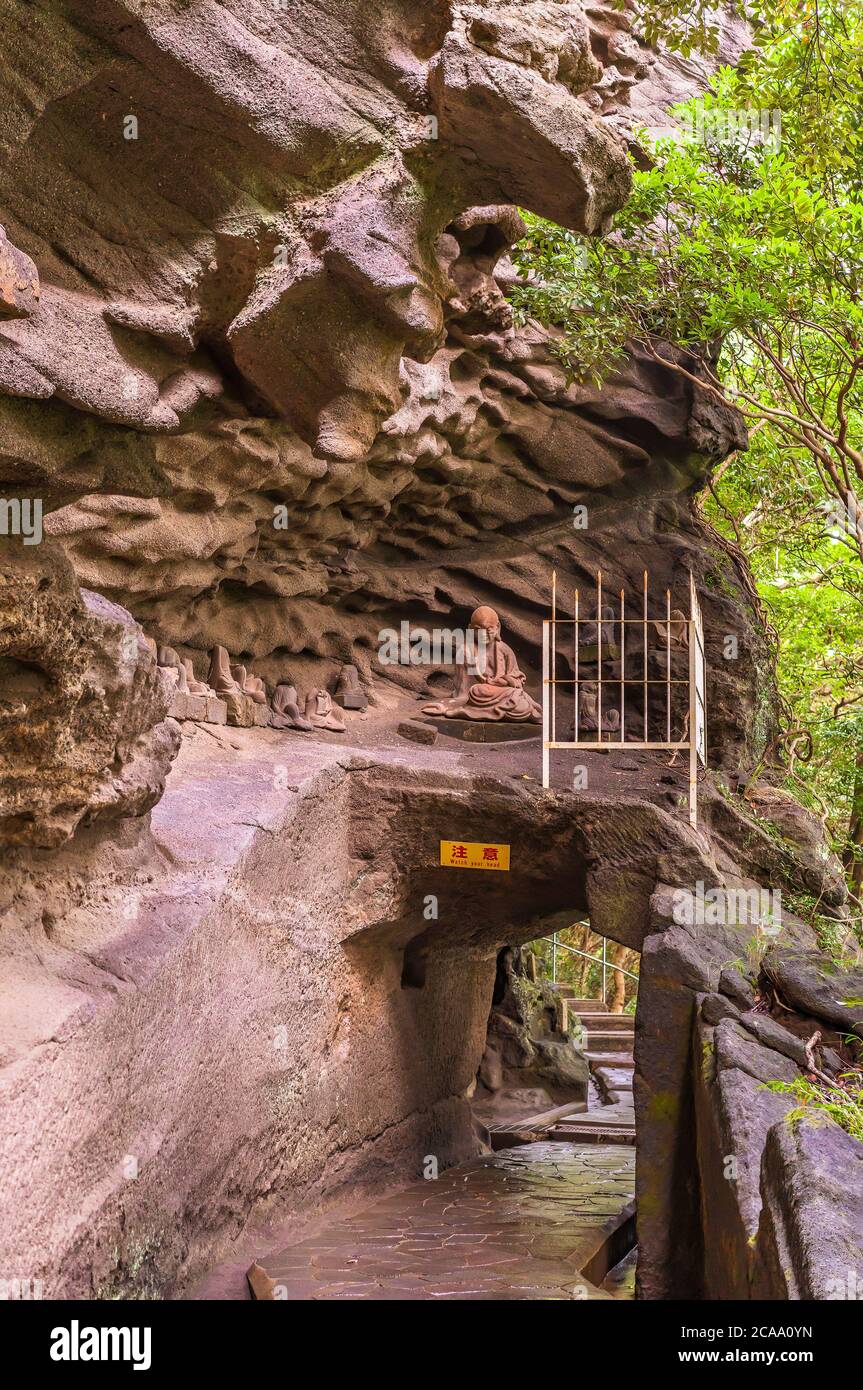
853 857
620 956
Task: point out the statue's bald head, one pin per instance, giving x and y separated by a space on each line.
484 617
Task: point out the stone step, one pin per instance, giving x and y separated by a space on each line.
608 1040
617 1023
506 1133
591 1134
557 1112
604 1058
584 1006
614 1078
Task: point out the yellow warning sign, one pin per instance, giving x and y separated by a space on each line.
462 854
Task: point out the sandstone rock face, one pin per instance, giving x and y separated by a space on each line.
816 986
268 936
265 186
812 1216
82 704
528 1045
735 1199
271 386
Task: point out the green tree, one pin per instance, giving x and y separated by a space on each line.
742 245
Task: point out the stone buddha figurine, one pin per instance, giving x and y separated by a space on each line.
588 711
220 678
674 634
285 713
250 685
322 713
495 691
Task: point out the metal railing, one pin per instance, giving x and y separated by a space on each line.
599 960
671 635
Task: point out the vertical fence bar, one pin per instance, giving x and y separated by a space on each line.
554 958
696 663
553 655
668 664
545 721
622 669
646 734
604 972
599 655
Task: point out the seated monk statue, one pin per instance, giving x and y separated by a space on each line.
588 711
497 690
168 659
250 685
675 633
220 678
322 713
285 713
196 687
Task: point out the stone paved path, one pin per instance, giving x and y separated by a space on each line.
518 1224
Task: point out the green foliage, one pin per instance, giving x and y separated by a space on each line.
689 26
746 253
583 976
842 1102
838 940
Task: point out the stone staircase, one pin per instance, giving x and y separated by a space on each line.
608 1043
610 1115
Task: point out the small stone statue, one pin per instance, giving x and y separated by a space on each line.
167 658
250 685
285 713
349 692
220 678
322 713
588 711
196 687
588 632
674 634
497 690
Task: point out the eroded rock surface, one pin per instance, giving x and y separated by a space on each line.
738 1197
530 1058
271 245
257 360
83 734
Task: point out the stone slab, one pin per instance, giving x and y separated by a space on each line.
487 731
240 709
417 731
518 1224
205 709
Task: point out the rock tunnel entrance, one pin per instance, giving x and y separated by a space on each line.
545 1207
324 985
445 1018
